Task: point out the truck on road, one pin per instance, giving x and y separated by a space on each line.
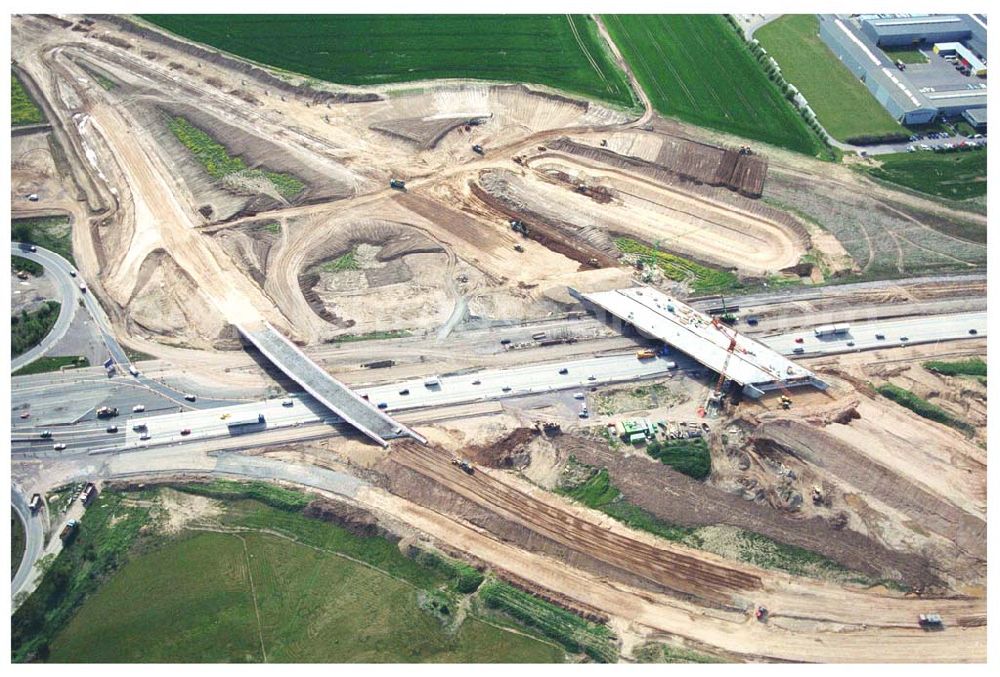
68 531
832 329
107 412
645 354
35 504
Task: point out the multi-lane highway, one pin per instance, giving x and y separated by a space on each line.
34 537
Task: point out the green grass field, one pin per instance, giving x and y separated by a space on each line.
703 279
922 407
690 457
696 68
958 176
23 111
258 597
843 105
554 50
19 264
971 367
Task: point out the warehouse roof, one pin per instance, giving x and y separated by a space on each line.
654 313
911 25
976 116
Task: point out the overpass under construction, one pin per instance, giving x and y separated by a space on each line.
719 347
330 392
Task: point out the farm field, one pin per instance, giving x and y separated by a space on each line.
198 599
696 68
23 111
553 50
843 105
958 176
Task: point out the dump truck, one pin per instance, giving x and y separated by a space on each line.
518 226
88 494
519 248
462 464
397 184
107 412
68 531
645 354
35 504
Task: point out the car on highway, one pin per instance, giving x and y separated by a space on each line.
476 382
32 248
59 447
191 398
904 339
383 405
404 391
578 396
504 342
799 350
46 434
287 403
591 378
139 427
144 437
186 431
132 370
25 414
111 429
971 331
880 337
138 409
506 389
564 370
800 340
72 273
850 344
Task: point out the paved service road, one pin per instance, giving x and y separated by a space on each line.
34 540
58 270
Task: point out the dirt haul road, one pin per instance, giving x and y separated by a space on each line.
810 620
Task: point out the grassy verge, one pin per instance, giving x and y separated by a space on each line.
654 652
957 176
268 494
28 329
46 364
345 262
971 367
104 537
906 55
702 279
690 457
922 407
575 634
23 110
213 156
843 104
18 541
696 67
371 336
593 487
560 51
19 263
50 232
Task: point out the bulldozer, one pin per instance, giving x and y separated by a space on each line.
518 226
478 149
518 248
397 184
463 465
786 402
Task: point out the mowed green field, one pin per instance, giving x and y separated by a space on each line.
215 597
843 105
958 176
23 111
560 51
696 68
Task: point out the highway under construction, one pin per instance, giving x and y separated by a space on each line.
435 309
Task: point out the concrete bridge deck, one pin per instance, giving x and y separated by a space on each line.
330 392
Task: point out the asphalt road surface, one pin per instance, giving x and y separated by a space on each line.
58 270
34 539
